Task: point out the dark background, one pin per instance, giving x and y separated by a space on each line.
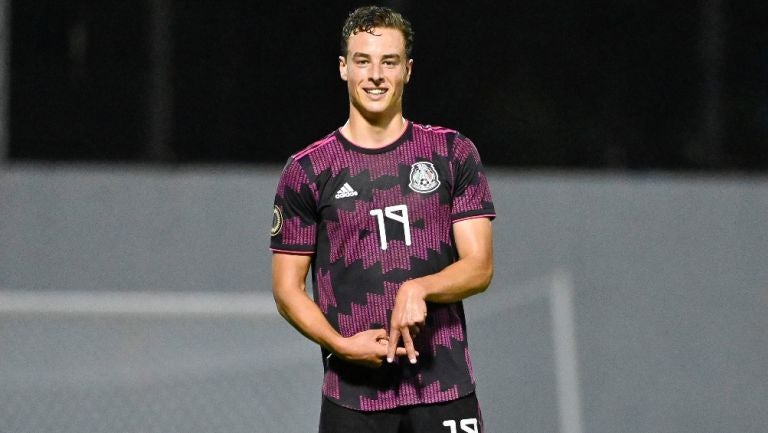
597 84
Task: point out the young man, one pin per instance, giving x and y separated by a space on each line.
394 219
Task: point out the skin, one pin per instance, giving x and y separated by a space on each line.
367 348
377 60
469 275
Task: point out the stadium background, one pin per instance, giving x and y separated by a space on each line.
141 142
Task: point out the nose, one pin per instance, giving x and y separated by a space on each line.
376 75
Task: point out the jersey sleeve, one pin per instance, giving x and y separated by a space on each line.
471 195
294 217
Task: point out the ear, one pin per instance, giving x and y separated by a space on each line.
343 67
408 70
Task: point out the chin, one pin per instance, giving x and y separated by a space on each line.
373 111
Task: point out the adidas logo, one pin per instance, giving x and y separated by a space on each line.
346 191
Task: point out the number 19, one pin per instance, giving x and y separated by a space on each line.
391 213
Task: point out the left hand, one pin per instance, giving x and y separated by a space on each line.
408 317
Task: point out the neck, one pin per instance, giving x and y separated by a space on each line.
373 133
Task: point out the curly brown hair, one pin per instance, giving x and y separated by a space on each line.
366 18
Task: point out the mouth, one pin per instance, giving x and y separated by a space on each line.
375 91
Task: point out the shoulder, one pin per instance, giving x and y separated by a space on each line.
298 169
427 129
459 145
320 144
450 134
313 155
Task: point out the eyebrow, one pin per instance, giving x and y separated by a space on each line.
385 56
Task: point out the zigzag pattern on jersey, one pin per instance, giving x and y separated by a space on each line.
411 391
375 311
300 226
468 360
449 328
324 288
331 385
366 278
424 237
294 174
352 283
471 194
301 231
444 326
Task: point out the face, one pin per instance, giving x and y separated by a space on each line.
376 70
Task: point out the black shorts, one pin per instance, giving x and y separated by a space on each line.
457 416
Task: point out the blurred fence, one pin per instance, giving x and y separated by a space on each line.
202 362
169 368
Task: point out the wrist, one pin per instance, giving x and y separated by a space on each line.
419 288
337 344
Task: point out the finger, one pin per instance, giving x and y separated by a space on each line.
381 335
402 352
408 343
421 321
414 330
394 337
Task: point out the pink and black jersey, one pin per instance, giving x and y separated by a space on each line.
373 219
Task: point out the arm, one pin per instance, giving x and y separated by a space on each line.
467 276
288 275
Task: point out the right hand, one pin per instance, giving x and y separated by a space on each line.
367 348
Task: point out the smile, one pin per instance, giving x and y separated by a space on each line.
375 91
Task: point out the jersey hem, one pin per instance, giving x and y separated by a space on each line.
396 405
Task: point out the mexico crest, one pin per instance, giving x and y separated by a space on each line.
423 177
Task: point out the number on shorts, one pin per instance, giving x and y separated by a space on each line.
468 425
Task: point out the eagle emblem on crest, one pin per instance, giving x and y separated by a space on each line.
423 177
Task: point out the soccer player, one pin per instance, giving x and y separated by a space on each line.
394 220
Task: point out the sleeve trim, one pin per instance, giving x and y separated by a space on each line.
294 252
467 216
